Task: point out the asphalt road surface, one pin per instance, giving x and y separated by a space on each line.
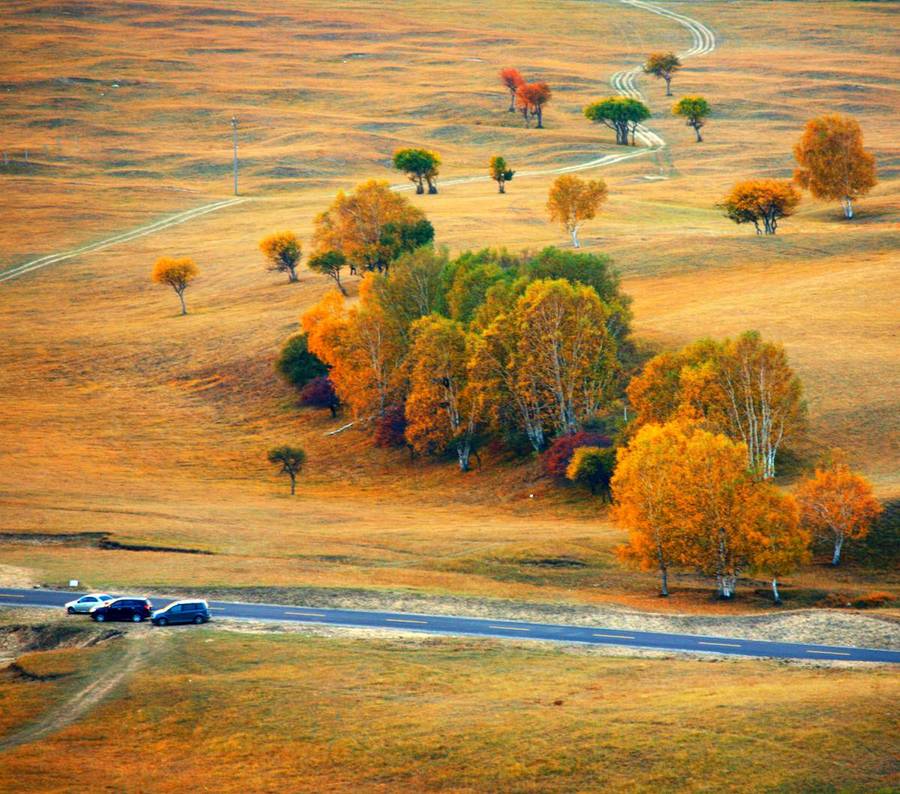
481 627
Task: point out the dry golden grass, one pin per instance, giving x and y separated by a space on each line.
116 415
230 712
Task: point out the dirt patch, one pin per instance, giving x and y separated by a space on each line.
99 540
17 639
19 578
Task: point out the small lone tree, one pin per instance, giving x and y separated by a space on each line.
512 79
176 273
838 505
291 460
621 114
500 173
832 162
329 264
320 393
572 201
694 109
531 98
420 165
283 251
297 365
663 65
761 201
594 467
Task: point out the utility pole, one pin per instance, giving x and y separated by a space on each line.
234 141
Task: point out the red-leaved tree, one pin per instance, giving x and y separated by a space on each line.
512 79
530 99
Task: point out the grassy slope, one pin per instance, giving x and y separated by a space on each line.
118 416
310 714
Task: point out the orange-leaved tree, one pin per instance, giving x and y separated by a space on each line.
355 225
832 161
761 201
643 490
687 498
530 99
512 79
742 387
787 541
572 201
362 348
176 273
663 65
440 409
282 251
838 505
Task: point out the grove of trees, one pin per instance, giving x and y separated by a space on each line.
741 387
687 498
530 100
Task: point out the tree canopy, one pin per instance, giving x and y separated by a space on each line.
761 201
177 273
500 172
329 263
694 109
837 505
282 251
296 364
663 65
290 459
512 79
742 387
572 201
621 114
355 225
421 165
832 163
530 99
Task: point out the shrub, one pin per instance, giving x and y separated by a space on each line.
297 365
593 467
319 393
876 599
556 458
390 428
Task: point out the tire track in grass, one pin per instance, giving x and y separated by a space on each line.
123 237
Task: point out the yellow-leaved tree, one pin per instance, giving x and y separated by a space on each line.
550 361
572 201
177 273
440 408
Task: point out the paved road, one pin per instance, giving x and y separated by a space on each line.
478 627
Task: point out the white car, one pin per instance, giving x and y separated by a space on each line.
87 602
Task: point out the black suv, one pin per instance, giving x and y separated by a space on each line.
134 609
182 612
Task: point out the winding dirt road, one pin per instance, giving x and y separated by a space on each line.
623 82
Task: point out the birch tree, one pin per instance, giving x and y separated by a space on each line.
572 201
837 505
832 163
440 408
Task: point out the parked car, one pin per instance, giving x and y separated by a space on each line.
86 602
134 609
182 612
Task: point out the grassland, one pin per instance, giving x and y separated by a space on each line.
316 713
117 416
